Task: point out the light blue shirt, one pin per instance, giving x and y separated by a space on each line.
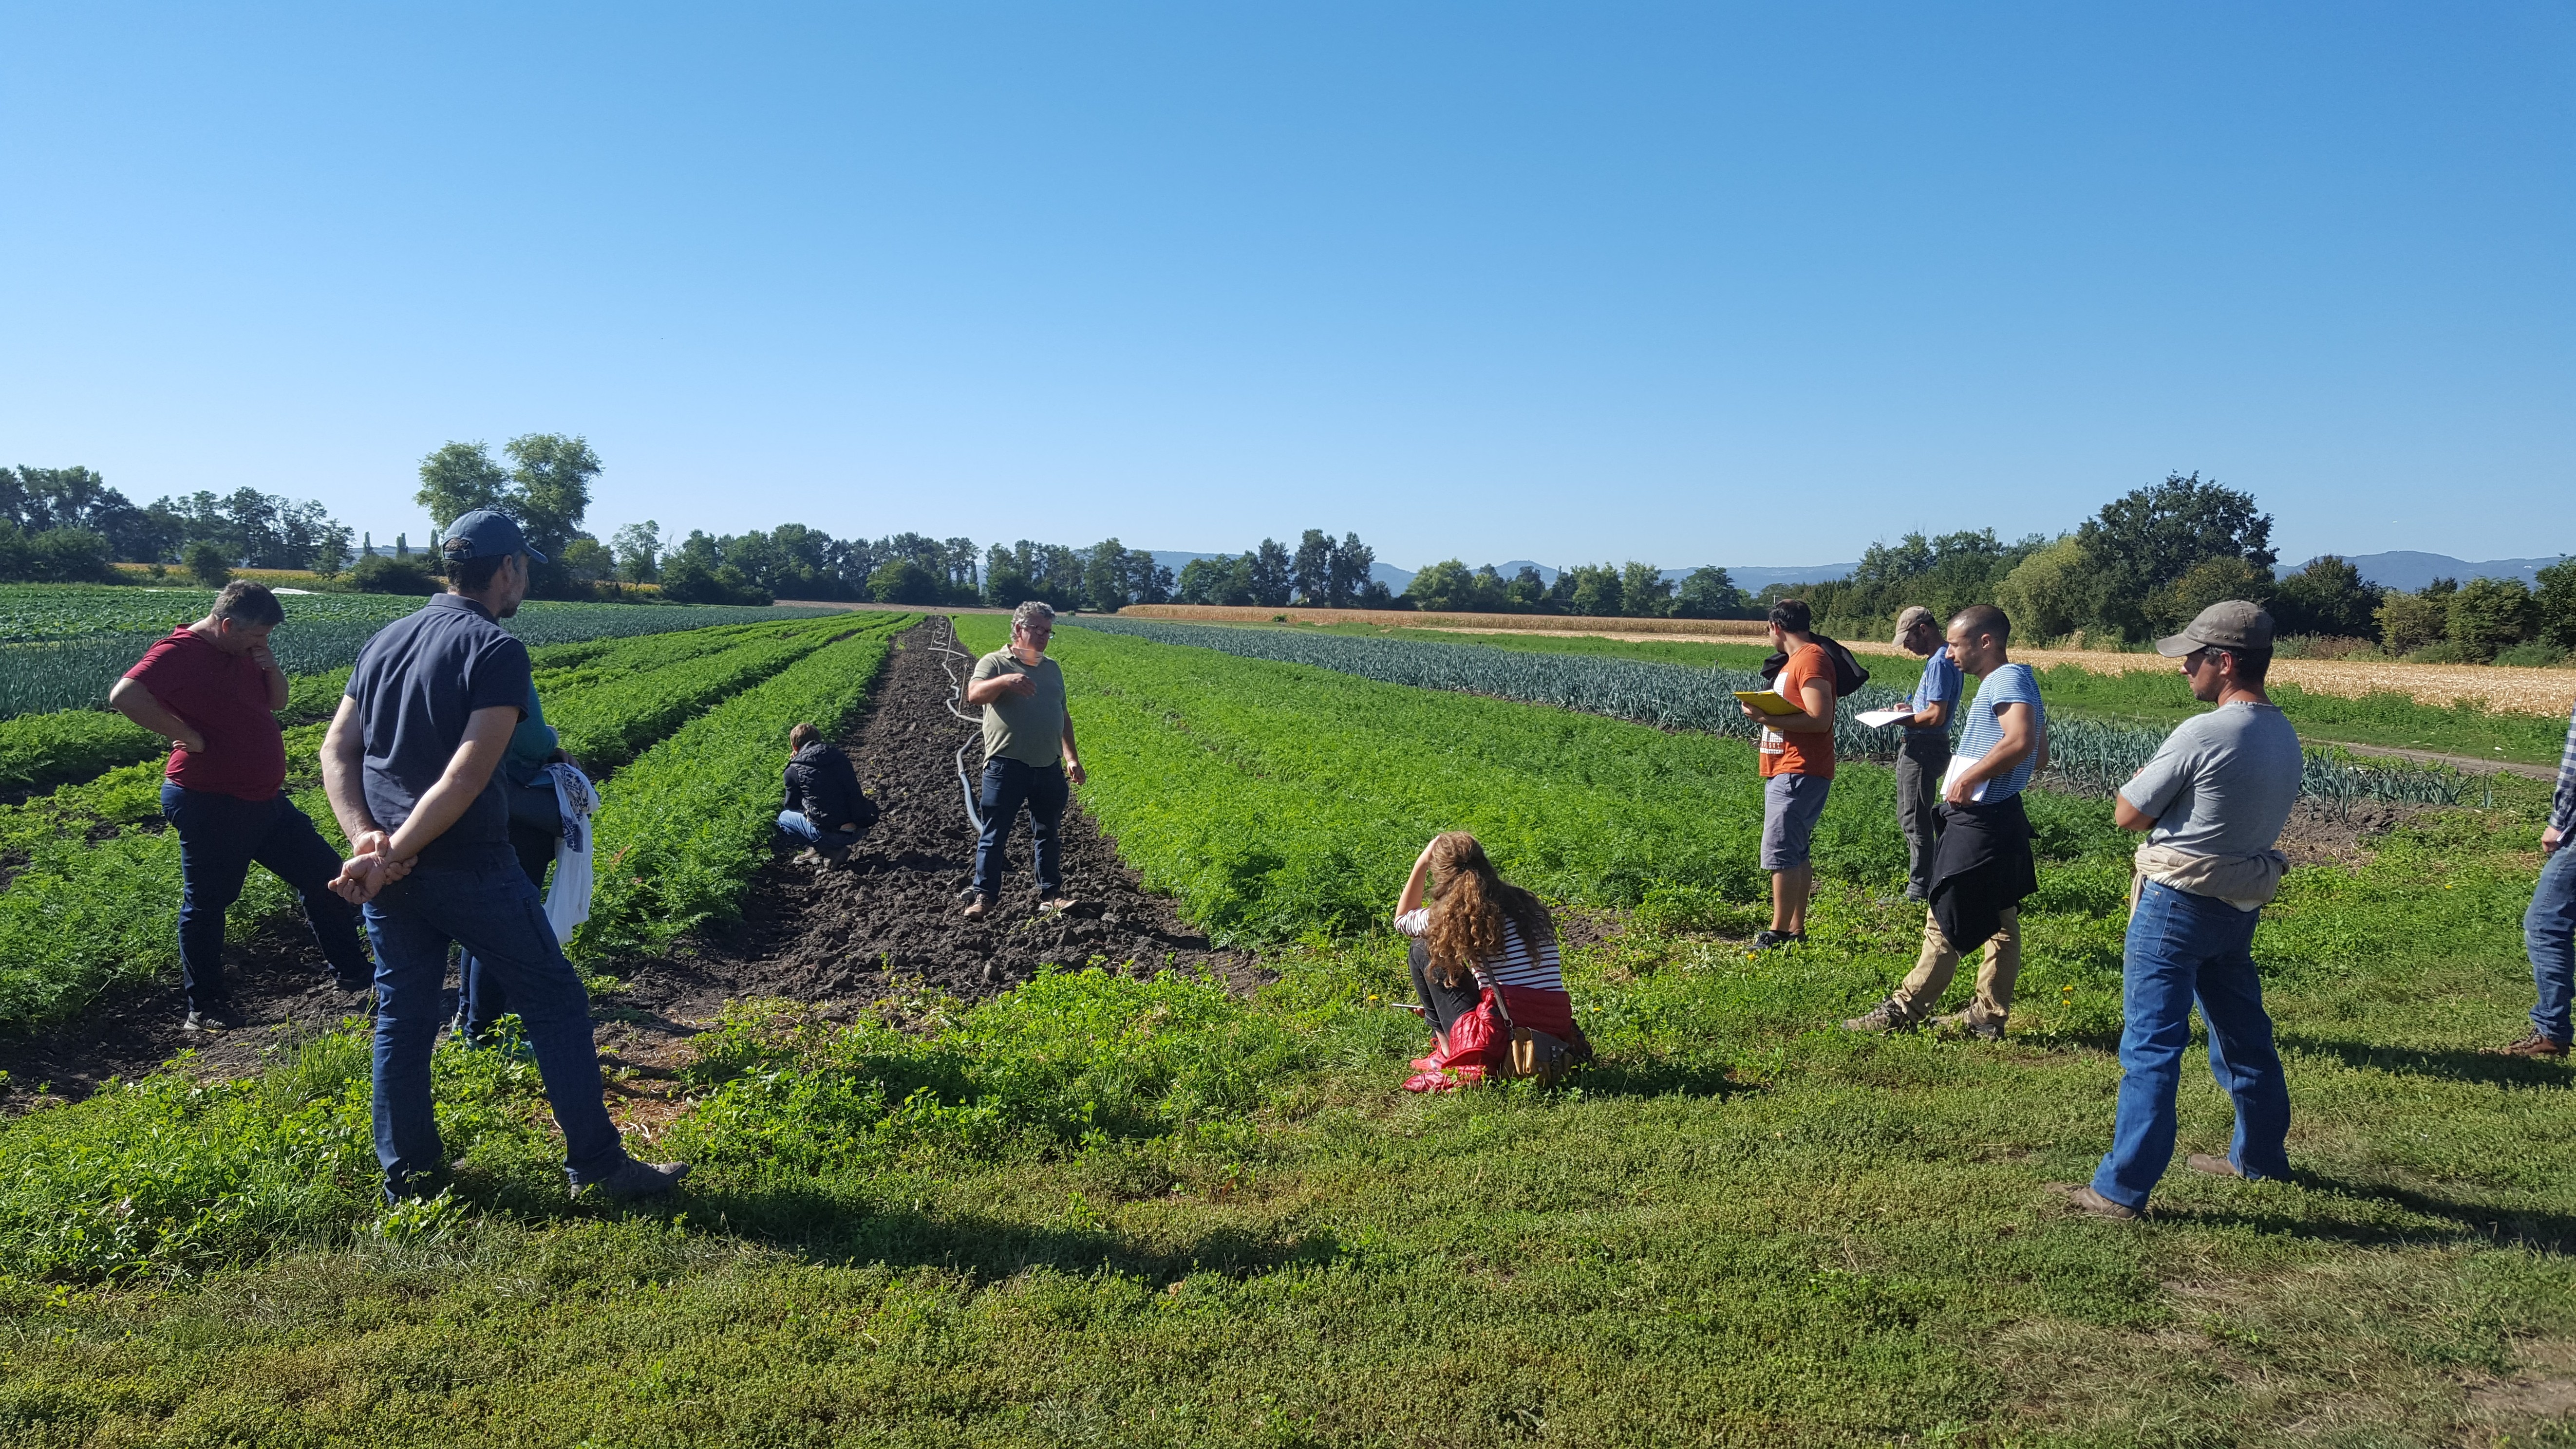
1940 682
2009 684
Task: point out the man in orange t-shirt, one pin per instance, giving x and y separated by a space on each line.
1797 754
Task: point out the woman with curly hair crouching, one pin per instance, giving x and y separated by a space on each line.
1485 968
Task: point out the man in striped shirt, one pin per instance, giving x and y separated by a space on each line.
2549 927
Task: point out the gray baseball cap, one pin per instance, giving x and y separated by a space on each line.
2227 624
485 533
1910 616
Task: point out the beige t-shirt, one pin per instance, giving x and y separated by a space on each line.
1024 727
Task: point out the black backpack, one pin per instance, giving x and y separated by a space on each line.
1848 675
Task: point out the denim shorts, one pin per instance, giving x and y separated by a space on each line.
1790 805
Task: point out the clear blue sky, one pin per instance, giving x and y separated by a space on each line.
1750 285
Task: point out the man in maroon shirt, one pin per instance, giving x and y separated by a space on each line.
215 689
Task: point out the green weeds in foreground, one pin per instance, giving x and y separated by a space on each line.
1102 1209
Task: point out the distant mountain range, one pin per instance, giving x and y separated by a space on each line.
2408 570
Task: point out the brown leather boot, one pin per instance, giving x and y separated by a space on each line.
2533 1044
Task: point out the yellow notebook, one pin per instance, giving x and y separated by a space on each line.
1768 701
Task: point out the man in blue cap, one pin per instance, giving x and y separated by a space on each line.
410 766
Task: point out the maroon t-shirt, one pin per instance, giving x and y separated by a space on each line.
224 698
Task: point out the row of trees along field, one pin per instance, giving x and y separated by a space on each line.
2154 557
65 525
793 561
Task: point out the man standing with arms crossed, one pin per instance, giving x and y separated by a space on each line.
2549 927
1925 754
2212 801
1027 728
1797 763
214 688
411 766
1982 868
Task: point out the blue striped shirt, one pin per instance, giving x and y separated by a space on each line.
1940 683
2009 684
2562 806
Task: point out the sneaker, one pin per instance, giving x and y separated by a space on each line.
1886 1016
975 908
1963 1023
640 1180
2083 1199
2533 1044
1056 905
808 856
2214 1166
214 1016
1770 940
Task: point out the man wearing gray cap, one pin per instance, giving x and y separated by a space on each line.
410 765
2212 801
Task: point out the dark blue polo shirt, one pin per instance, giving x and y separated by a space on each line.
417 683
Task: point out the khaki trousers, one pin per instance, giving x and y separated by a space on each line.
1995 974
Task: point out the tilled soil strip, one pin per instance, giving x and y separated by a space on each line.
887 917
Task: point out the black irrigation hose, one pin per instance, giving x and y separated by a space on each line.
944 643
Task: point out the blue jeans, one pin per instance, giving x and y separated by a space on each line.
484 1000
1009 785
794 823
2183 946
490 909
2549 934
219 837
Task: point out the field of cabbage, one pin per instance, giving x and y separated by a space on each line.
2088 755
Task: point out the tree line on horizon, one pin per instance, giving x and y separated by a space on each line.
2141 566
2151 559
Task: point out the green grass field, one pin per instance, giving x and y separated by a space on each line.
1103 1210
2149 698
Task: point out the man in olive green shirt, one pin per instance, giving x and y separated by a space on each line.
1027 729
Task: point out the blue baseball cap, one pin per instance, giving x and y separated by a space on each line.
485 533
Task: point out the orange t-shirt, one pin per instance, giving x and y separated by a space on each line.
1801 752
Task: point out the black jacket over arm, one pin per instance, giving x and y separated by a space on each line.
823 788
1982 865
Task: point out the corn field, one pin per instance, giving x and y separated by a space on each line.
2086 756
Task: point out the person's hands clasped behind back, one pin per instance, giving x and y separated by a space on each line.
372 868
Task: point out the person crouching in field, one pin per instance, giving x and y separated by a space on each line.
2213 802
1484 962
1925 755
1797 763
215 689
1982 868
1026 728
825 807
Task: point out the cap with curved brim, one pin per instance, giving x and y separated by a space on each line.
486 533
2237 624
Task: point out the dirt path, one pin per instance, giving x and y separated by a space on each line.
277 976
836 938
887 917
